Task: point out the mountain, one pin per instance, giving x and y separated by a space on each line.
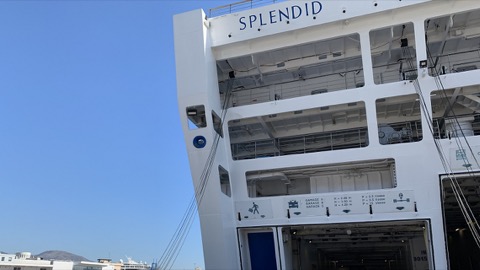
61 255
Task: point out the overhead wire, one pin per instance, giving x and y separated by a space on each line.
456 188
177 241
467 212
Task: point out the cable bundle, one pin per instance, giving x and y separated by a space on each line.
175 245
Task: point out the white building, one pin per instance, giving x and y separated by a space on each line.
25 261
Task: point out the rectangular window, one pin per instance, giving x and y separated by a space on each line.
455 112
196 117
224 181
217 124
340 177
393 53
399 119
298 132
301 70
452 43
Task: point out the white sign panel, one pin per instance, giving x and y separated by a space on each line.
391 201
254 209
464 159
310 206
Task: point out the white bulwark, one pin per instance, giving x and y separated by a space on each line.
334 134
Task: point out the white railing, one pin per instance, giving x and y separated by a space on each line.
313 86
327 141
391 133
456 62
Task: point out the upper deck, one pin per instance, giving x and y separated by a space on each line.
256 19
337 60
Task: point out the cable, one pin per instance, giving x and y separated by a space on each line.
177 241
456 188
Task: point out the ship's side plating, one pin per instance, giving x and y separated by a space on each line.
314 128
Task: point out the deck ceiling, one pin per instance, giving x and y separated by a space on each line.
447 34
281 125
297 173
455 33
370 245
292 63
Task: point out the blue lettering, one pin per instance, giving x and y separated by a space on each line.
253 19
242 22
316 7
286 14
272 15
261 20
295 15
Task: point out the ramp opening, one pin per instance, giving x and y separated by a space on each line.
463 253
399 245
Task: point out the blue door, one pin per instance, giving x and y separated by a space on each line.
262 251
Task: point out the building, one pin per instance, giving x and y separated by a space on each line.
25 261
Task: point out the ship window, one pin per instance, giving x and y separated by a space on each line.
399 119
393 53
196 117
326 128
217 124
224 181
340 177
307 69
3 259
17 268
452 43
455 112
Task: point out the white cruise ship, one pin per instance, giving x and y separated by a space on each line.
334 134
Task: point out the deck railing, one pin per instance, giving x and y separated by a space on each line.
326 141
405 132
439 126
239 6
456 62
311 86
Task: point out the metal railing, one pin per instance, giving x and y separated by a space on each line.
311 86
239 6
456 62
325 141
440 131
391 133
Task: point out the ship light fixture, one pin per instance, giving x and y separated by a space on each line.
192 112
423 63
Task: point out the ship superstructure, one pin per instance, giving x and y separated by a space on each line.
334 134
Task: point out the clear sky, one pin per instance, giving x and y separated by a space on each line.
92 156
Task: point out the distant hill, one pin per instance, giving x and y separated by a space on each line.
61 256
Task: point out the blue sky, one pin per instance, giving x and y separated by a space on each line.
92 157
